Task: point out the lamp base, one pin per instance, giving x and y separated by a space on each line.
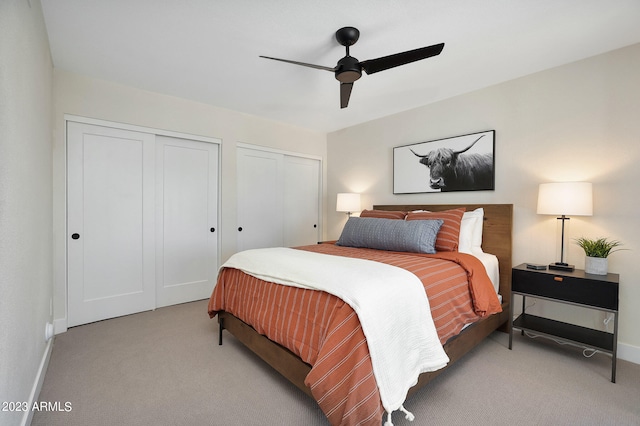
559 266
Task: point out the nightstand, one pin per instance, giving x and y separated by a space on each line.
599 292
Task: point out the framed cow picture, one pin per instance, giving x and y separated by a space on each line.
460 163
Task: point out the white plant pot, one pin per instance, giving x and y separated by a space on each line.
596 265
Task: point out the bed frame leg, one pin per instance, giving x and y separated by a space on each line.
221 324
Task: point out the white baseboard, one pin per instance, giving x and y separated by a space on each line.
60 325
37 385
629 353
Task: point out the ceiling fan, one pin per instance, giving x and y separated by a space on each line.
349 69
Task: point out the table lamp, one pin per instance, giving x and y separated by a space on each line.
565 199
348 202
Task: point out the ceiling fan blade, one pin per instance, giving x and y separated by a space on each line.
386 62
304 64
345 94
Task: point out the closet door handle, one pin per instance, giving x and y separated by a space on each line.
213 229
240 229
75 236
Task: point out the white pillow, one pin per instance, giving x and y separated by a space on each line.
476 242
471 231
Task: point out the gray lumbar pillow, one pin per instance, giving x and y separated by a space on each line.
417 236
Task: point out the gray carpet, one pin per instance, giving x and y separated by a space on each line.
165 368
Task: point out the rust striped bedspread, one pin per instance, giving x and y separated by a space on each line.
325 332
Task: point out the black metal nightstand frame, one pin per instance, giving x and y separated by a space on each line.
599 292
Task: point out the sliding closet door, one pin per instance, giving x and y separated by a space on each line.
301 201
110 222
186 220
278 199
260 206
142 219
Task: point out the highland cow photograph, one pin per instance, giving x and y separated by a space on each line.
460 163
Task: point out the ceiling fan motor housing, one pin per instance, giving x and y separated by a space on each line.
348 70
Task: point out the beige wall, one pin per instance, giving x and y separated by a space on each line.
580 121
26 75
88 97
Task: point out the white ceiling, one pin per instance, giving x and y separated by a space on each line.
207 50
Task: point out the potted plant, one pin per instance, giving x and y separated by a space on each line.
597 251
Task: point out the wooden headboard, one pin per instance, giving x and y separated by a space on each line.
496 233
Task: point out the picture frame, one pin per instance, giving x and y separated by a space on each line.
459 163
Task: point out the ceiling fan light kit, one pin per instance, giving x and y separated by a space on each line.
349 69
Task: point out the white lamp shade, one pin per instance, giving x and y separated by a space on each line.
348 202
565 198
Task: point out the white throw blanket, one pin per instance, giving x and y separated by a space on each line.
390 302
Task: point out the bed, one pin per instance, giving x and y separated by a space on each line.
496 239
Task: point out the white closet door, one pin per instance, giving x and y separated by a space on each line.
260 213
186 220
301 201
110 222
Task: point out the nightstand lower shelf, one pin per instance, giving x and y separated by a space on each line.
582 336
